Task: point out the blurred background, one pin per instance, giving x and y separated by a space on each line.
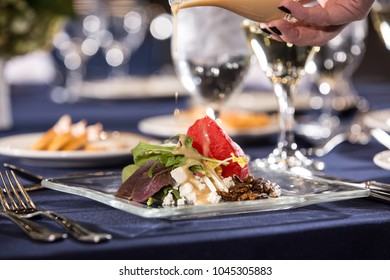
146 51
120 38
375 65
112 41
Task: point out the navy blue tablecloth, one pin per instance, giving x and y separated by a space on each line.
351 229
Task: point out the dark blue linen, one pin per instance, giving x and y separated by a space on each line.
353 229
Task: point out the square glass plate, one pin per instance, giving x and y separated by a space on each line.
296 192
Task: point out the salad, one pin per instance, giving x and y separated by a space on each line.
203 166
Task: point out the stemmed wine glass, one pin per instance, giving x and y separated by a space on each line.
284 64
80 39
380 15
210 54
126 26
332 91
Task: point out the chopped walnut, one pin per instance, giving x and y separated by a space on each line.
251 189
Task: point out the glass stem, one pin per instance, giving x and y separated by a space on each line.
285 94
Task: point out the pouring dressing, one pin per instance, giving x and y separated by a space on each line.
256 10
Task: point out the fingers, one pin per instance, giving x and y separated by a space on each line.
331 12
316 15
315 25
301 35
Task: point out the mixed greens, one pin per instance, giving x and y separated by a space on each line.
174 173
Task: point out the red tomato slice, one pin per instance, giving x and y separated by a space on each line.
212 141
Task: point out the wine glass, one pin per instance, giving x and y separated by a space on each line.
210 54
79 40
339 58
332 92
380 15
126 26
284 64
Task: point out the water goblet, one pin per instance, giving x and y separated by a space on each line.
210 54
284 64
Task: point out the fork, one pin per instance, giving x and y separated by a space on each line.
32 229
24 207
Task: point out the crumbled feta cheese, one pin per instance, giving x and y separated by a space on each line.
213 198
228 181
185 189
191 197
168 199
181 201
180 175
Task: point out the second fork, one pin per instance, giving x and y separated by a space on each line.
32 229
25 207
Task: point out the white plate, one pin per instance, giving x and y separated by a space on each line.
101 187
132 88
378 119
118 149
382 159
167 126
263 101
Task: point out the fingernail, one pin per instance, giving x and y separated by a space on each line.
276 30
266 31
284 9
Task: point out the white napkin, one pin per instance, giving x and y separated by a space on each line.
34 68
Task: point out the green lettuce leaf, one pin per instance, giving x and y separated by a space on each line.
128 170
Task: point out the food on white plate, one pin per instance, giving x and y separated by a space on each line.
68 136
203 166
233 119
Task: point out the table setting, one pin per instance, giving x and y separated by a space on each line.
314 133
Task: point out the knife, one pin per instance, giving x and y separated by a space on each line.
378 190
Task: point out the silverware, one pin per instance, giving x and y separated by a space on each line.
32 229
31 177
377 190
24 207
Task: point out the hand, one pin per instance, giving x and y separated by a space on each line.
316 25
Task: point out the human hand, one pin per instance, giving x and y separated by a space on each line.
316 24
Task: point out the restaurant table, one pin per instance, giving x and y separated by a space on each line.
348 229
